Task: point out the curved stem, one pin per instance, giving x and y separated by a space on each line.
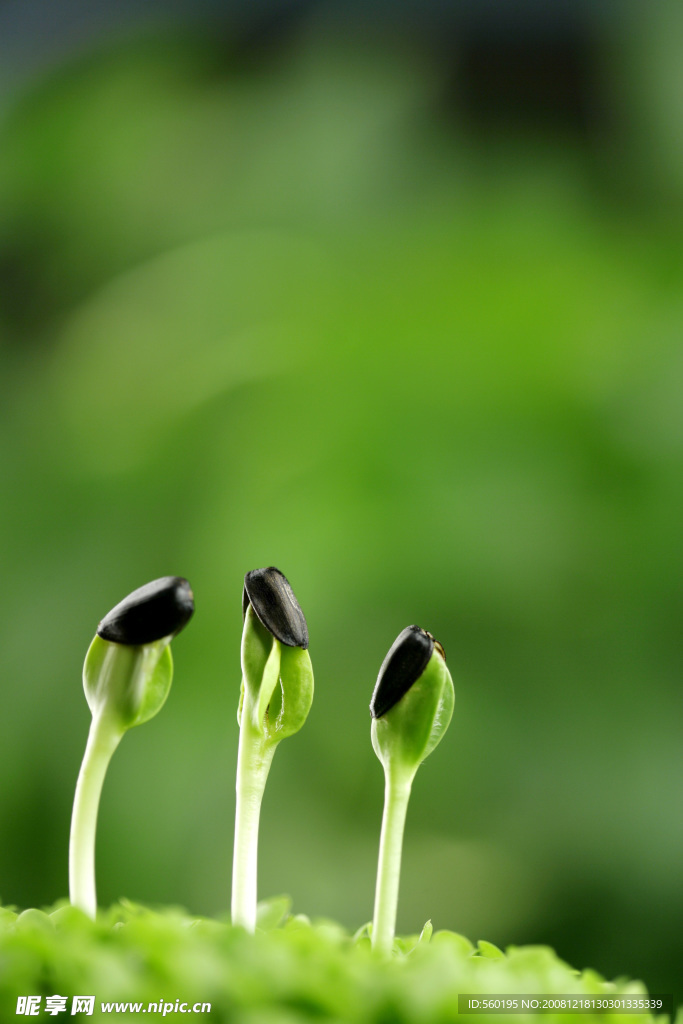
103 740
253 764
396 796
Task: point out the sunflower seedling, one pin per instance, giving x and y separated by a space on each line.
411 708
126 676
275 698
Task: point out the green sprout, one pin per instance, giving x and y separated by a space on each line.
126 676
411 708
275 698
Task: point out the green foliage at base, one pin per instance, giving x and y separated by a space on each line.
291 970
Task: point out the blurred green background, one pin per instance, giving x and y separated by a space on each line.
396 305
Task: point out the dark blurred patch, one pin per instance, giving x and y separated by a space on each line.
36 817
27 298
525 80
264 35
590 912
597 927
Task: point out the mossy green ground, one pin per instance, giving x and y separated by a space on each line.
290 970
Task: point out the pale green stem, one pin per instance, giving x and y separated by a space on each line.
396 796
103 740
254 758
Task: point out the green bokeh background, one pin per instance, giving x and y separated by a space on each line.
290 313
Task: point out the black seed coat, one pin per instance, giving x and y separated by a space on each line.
404 664
160 608
270 595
